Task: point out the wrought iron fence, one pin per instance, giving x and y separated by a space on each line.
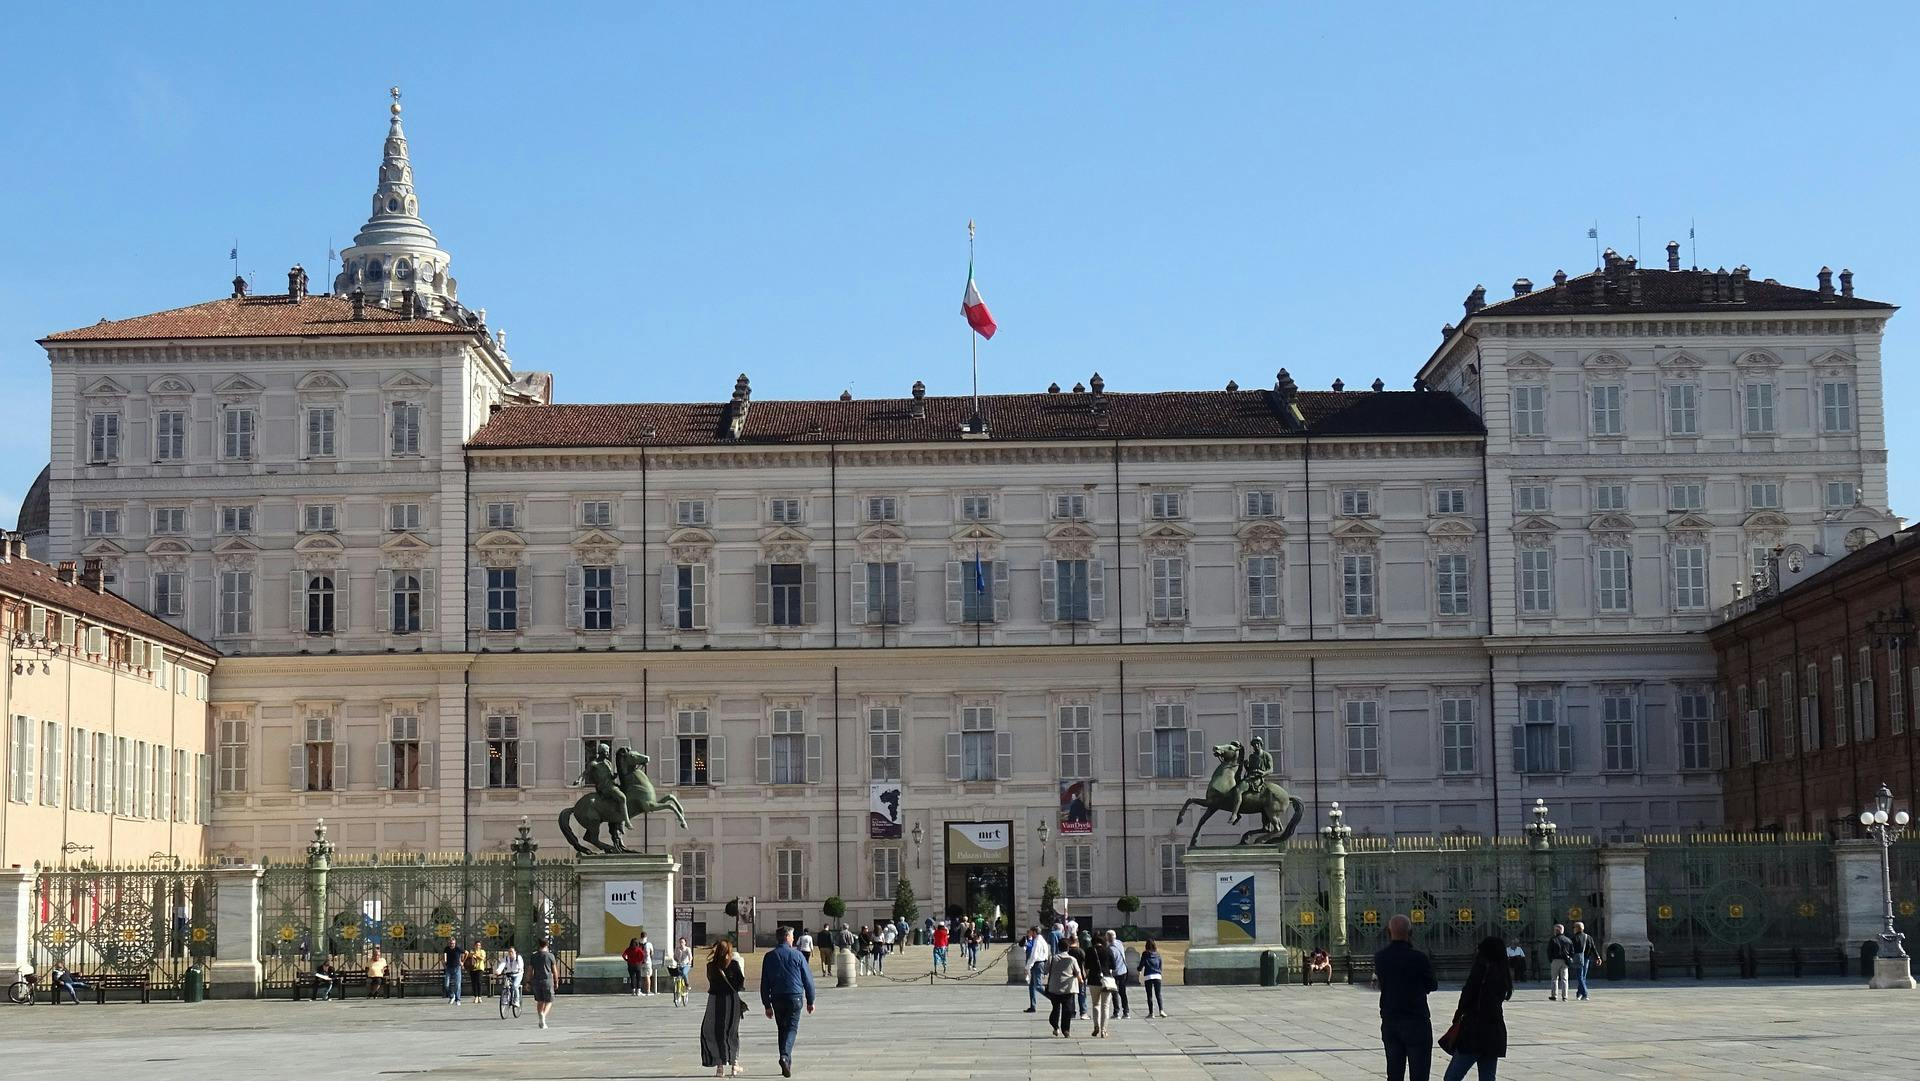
1905 857
1713 894
556 914
126 921
1456 890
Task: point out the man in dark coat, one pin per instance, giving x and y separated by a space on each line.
1404 976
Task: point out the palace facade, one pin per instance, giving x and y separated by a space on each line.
855 635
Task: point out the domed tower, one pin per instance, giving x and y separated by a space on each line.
395 251
36 511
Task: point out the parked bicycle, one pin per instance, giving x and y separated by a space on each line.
21 993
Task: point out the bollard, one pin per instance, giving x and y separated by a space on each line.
1269 969
193 986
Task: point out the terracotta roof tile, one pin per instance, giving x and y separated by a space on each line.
259 317
1220 414
40 583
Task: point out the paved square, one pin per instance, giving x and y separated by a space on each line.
971 1030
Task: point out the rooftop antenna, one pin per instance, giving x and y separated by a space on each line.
1638 249
1593 234
1695 243
233 253
331 256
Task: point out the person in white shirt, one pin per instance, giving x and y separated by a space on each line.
804 943
1038 954
646 964
889 934
509 968
682 971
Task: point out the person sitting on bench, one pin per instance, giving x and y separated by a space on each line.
70 983
1318 961
323 981
376 974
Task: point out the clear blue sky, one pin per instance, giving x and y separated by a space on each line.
651 199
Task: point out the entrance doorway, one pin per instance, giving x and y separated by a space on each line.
979 870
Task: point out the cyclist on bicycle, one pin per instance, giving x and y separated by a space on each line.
510 967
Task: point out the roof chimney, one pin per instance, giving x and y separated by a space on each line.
93 575
919 400
239 286
1379 384
1673 255
846 395
1633 286
1284 386
1706 288
1079 388
1053 388
1826 285
1559 278
1476 299
64 571
1722 285
1599 288
1233 385
737 407
1446 331
1740 274
296 283
1846 282
1560 293
6 546
1099 388
359 301
742 390
1522 286
1339 385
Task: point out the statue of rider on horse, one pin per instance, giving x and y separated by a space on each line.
621 790
1241 783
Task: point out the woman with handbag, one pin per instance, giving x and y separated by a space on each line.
1064 977
720 1028
1478 1035
1102 983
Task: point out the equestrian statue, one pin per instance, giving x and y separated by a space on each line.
1240 785
621 790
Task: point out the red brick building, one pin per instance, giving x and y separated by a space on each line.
1817 677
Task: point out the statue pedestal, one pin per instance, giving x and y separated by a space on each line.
1892 973
620 896
1234 913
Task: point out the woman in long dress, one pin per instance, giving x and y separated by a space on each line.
720 1029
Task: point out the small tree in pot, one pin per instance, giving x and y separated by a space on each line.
1128 905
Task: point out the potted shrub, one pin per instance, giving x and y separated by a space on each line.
1128 905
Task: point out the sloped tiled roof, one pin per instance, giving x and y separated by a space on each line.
260 317
40 583
1670 291
1213 414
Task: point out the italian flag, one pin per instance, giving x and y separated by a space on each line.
975 309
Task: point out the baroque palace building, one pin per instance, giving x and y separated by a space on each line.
870 639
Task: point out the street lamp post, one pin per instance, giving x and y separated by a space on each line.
1334 837
1891 965
1042 831
1540 834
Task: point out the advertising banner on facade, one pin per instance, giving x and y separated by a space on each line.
623 908
1233 894
883 810
979 842
1076 807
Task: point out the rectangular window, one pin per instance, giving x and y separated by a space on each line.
1695 723
1896 688
237 431
20 761
1758 400
1604 411
1529 411
1863 702
321 425
403 749
1357 586
1620 733
886 873
103 438
981 586
689 596
1266 722
236 520
503 751
1536 580
690 512
503 598
1363 738
596 598
1609 497
1170 750
319 603
883 743
977 744
1541 743
786 594
1168 601
1173 872
1263 587
693 874
789 747
883 593
320 750
169 593
79 769
976 508
1076 868
169 435
1763 495
1613 579
236 602
407 603
596 512
595 728
1459 738
1839 672
692 747
1683 409
1076 742
169 521
100 775
233 755
1686 495
1841 494
1689 578
1262 503
883 508
318 517
1532 498
1069 507
406 429
1072 591
1836 407
1450 585
1450 501
785 511
789 876
403 517
502 516
1164 506
52 767
1355 502
102 522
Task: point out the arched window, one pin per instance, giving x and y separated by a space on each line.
320 604
406 604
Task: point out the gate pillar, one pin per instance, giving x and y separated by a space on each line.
235 971
16 920
1623 883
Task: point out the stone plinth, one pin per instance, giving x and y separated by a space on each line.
1234 913
620 896
1892 974
235 971
16 912
1862 890
1623 881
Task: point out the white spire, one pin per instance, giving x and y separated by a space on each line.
395 251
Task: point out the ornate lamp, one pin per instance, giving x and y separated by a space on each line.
919 837
1336 831
1042 831
1891 967
1540 829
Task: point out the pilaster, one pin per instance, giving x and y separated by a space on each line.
1623 881
235 970
1859 893
16 912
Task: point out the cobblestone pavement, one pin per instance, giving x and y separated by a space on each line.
974 1030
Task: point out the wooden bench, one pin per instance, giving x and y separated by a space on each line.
343 978
416 980
102 982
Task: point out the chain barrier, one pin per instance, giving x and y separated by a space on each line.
932 974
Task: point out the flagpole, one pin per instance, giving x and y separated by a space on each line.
974 338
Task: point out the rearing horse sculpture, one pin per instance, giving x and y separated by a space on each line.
591 813
1222 795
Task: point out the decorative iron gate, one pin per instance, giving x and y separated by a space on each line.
130 921
556 914
1456 890
285 951
1718 893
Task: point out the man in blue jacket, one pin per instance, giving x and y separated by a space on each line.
786 985
1405 979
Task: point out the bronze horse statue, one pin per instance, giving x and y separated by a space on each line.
592 813
1222 795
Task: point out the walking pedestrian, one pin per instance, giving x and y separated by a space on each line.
1101 984
1038 953
786 985
1405 978
864 945
804 943
1151 978
477 969
1559 954
720 1028
1079 955
1480 1024
1119 952
454 957
682 960
540 968
632 955
647 959
1064 977
1586 953
974 939
1516 961
889 934
940 939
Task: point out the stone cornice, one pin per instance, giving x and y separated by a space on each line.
1689 324
322 352
1532 464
